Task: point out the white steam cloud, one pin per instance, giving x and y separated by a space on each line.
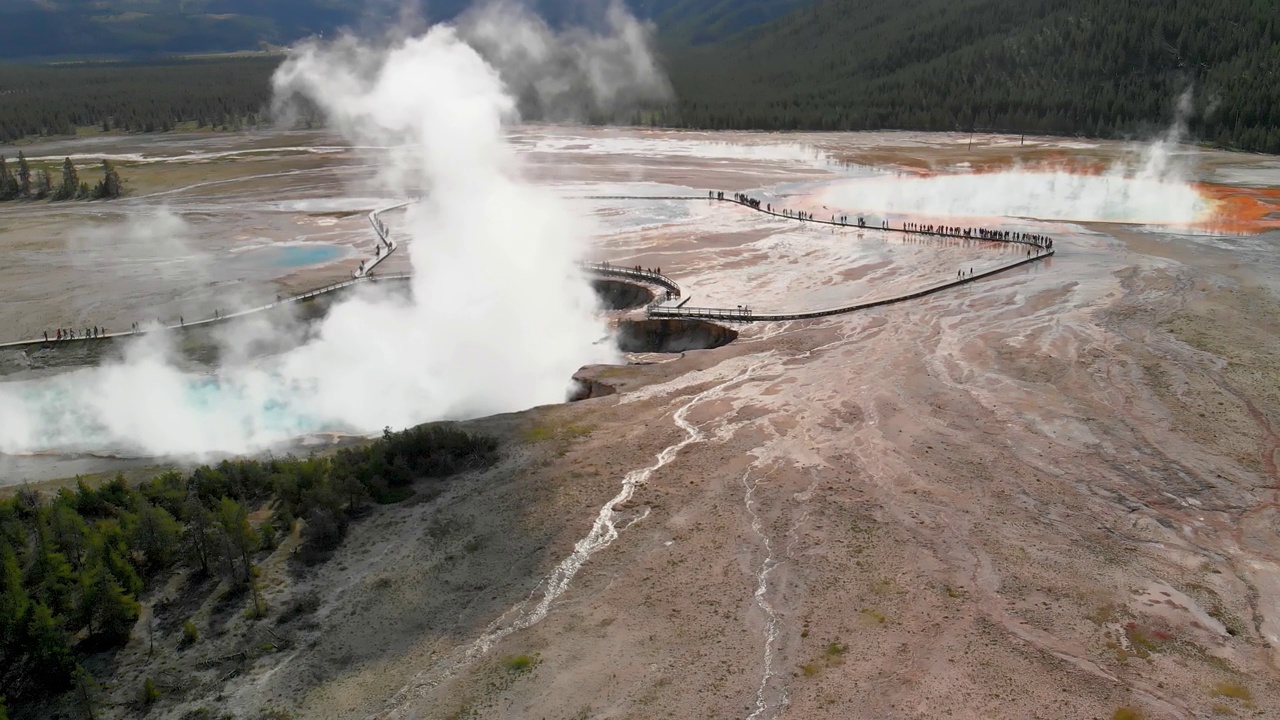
577 74
500 314
1152 187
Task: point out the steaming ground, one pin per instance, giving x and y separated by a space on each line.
1047 494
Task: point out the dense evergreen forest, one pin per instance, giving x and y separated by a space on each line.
1094 67
73 566
1102 68
224 93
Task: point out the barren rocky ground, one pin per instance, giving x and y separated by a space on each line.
1051 494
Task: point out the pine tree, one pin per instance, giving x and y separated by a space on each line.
104 606
157 534
67 530
87 692
70 185
8 183
196 535
24 176
48 655
52 581
111 179
43 185
13 601
239 536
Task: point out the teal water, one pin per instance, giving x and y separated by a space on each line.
255 410
289 256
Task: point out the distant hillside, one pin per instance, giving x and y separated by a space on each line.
47 28
42 28
698 22
1094 67
1102 68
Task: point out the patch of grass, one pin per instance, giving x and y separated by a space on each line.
544 431
832 655
1145 641
466 712
876 615
1220 709
1104 614
520 663
1233 691
1127 713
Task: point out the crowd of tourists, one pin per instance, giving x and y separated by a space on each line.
75 334
982 234
95 332
1041 241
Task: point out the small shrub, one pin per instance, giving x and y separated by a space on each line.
150 693
267 534
384 494
520 663
190 633
303 605
1126 713
322 535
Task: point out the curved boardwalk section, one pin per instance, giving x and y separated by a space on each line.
744 314
1042 248
386 245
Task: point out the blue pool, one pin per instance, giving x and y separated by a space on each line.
289 256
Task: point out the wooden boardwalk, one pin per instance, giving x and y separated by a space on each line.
386 245
743 313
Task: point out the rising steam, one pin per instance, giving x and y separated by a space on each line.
1151 186
500 315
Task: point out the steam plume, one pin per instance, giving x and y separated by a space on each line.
578 74
1151 186
500 315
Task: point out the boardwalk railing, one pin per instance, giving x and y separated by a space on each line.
656 309
629 273
745 315
784 214
385 247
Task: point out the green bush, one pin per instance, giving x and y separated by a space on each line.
520 663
